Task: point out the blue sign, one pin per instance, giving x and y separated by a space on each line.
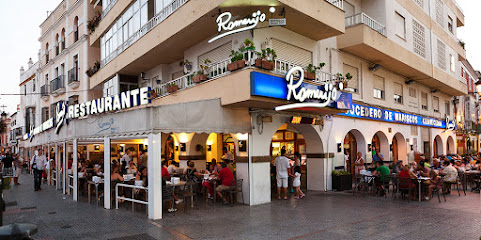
373 113
265 85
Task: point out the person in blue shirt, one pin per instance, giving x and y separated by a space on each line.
377 156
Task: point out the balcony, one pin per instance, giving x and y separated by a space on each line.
107 9
18 132
57 86
44 92
73 80
184 24
367 39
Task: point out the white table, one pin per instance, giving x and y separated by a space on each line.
420 179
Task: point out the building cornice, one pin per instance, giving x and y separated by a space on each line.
54 25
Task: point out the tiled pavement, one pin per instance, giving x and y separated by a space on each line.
319 216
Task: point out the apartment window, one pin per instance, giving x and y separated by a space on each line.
419 39
57 48
424 101
414 130
353 84
398 93
441 54
439 8
400 25
452 63
75 29
62 38
46 79
46 54
447 108
436 104
450 24
378 85
45 114
33 87
161 4
412 92
109 88
72 100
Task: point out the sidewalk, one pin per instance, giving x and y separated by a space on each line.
319 216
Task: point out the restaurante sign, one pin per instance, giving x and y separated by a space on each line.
224 23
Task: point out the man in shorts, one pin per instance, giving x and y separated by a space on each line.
283 169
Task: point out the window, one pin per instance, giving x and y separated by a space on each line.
412 92
62 38
400 25
46 54
45 114
419 40
25 89
72 100
447 108
398 93
33 87
436 104
46 79
439 8
441 55
450 24
161 4
57 49
378 85
111 87
414 130
452 63
353 84
424 101
75 29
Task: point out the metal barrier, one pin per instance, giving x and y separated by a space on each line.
70 183
117 197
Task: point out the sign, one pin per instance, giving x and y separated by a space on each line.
373 113
275 22
303 120
229 27
64 112
303 93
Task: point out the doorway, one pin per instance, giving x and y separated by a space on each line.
350 148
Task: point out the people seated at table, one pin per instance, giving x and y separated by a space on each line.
433 182
226 177
217 166
172 167
229 165
383 173
191 173
423 169
405 174
398 166
436 165
131 169
459 165
165 171
115 175
450 176
208 184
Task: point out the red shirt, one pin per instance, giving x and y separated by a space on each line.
226 176
165 173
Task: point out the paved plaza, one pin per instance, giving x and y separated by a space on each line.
319 216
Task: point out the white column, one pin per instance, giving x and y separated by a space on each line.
75 169
57 168
107 173
64 172
154 169
49 170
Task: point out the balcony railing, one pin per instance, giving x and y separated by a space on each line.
338 3
57 83
107 9
219 69
156 20
362 18
73 75
44 90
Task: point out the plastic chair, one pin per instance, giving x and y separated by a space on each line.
236 187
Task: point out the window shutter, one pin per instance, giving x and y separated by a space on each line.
216 55
354 82
398 89
378 82
291 53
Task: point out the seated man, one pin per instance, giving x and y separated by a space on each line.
450 177
226 176
383 172
423 169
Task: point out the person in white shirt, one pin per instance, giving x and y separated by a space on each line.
227 155
38 165
171 168
127 158
283 169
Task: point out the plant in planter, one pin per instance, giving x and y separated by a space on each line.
187 65
92 70
310 73
461 42
266 59
341 180
172 87
344 79
93 22
201 75
237 61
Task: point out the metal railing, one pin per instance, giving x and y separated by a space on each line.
157 19
44 90
70 184
73 75
219 69
362 18
107 8
133 200
338 3
57 83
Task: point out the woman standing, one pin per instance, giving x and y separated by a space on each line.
359 163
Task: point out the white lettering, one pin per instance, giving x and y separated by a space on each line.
135 97
100 105
116 105
224 24
125 99
82 109
93 109
87 106
144 95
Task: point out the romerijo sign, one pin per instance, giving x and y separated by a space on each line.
224 23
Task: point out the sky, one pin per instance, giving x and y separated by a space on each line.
23 31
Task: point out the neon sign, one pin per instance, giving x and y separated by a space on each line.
224 23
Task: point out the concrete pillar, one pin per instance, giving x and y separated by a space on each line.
57 168
49 170
107 173
75 169
154 168
64 171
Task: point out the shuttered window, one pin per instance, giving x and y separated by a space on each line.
378 85
398 93
353 84
291 53
436 104
216 55
424 101
177 75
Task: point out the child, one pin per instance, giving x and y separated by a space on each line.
297 183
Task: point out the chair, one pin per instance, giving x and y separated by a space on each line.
236 187
461 179
405 186
439 187
187 192
168 196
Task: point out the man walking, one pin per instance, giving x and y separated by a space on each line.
283 169
37 164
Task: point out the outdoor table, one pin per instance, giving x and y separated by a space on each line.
180 183
369 178
214 182
420 179
474 172
90 183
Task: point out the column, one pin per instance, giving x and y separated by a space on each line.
57 168
64 169
75 169
49 170
107 191
154 171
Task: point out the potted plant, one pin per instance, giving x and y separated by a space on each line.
172 87
341 180
266 59
461 42
93 22
344 79
92 70
201 75
310 73
237 61
187 64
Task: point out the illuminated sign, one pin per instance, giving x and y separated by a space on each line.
124 100
303 120
373 113
224 23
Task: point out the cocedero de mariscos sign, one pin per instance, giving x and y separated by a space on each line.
373 113
64 112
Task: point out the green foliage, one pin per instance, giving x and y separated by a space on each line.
267 54
204 67
340 172
236 55
312 69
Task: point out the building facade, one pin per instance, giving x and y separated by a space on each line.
185 79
